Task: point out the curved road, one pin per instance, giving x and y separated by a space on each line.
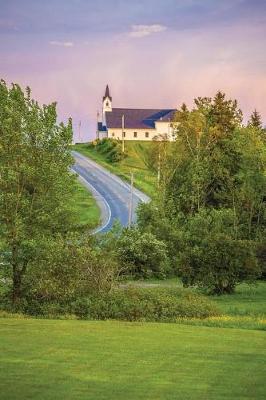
111 193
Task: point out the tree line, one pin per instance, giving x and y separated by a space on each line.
211 211
207 224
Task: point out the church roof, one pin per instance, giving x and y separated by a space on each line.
136 118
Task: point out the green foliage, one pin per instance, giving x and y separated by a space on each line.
128 304
255 120
220 113
111 148
261 255
212 196
36 184
212 258
153 218
136 304
142 254
70 267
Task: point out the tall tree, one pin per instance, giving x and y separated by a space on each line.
35 179
220 112
255 120
215 173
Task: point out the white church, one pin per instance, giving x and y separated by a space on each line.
134 123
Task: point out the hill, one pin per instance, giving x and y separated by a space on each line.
136 161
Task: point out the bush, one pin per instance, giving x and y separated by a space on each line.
127 304
111 148
261 255
144 255
139 304
219 263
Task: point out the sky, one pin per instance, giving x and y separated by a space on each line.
152 53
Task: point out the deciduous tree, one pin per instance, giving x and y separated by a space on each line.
35 179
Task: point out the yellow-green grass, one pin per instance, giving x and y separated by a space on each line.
45 359
144 178
248 300
85 207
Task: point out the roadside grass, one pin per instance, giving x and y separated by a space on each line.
45 359
144 178
85 207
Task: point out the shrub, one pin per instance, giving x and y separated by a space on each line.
139 304
73 267
261 255
145 255
218 264
111 148
127 304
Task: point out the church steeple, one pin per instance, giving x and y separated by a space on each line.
107 93
107 102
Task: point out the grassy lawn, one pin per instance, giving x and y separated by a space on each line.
85 207
144 179
45 359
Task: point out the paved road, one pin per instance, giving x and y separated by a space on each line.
111 193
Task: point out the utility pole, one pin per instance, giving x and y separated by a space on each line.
79 132
159 166
130 208
123 128
97 131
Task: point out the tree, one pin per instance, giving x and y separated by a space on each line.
35 179
71 266
212 257
222 113
215 165
255 120
142 253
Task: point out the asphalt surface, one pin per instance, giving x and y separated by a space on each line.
111 193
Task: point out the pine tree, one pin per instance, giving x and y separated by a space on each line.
255 120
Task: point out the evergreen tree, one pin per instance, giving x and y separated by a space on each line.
255 120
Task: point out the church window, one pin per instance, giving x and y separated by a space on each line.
124 134
146 134
135 134
113 134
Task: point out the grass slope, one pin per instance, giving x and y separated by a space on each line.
144 179
45 359
85 207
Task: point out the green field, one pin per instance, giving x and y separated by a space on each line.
85 207
144 179
45 359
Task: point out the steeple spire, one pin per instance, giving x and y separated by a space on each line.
107 93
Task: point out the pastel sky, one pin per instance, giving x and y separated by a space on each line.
152 53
